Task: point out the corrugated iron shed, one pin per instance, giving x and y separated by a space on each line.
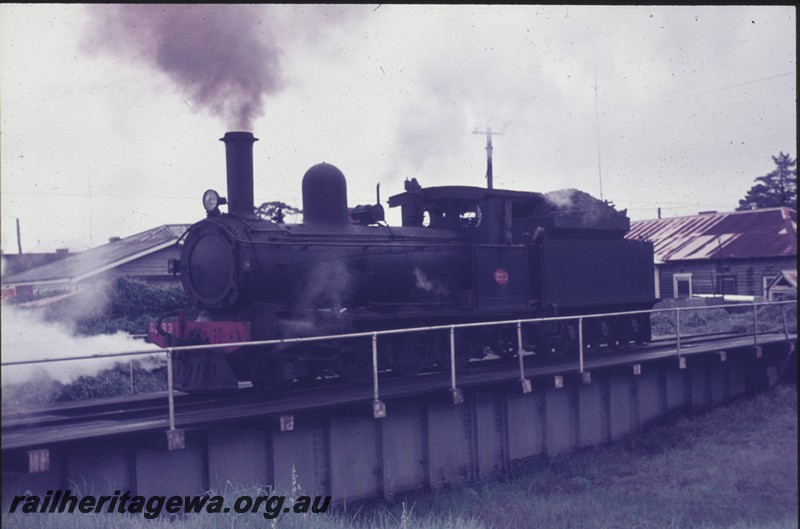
770 232
101 258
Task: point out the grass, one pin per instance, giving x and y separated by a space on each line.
734 467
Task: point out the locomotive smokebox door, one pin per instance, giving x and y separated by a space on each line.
500 276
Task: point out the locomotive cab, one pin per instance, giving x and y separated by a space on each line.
485 216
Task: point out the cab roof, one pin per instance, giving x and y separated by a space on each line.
461 193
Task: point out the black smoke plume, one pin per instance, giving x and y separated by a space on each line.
222 56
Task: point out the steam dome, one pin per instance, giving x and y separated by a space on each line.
325 195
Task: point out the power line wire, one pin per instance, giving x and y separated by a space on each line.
52 194
690 95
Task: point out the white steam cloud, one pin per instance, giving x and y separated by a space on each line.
428 285
328 285
27 336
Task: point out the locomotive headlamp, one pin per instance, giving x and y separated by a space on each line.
212 201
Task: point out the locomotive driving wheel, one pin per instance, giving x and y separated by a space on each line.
356 364
265 373
642 329
410 353
505 345
623 332
562 343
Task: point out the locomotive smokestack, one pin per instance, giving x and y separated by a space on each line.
239 163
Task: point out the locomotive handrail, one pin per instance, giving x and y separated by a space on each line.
324 240
284 341
175 437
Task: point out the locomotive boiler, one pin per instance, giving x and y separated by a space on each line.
463 254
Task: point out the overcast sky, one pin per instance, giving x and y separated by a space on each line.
110 116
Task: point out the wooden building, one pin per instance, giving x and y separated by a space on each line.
141 256
741 253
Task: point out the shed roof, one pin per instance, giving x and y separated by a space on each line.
770 232
96 260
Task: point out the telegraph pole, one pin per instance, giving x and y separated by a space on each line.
489 150
597 129
19 239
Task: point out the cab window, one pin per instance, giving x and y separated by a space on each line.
454 214
469 216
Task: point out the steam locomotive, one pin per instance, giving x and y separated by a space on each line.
463 254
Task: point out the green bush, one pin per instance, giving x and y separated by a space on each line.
731 318
112 382
122 304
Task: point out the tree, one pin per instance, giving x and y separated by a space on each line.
276 211
776 189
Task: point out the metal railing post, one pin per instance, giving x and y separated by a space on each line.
526 384
130 372
452 358
170 392
375 366
519 351
458 398
176 439
580 344
785 324
378 407
755 325
678 330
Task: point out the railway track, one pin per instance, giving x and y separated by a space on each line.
141 413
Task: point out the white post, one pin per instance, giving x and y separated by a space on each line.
526 384
452 359
457 396
176 439
375 365
580 344
519 351
378 407
755 325
170 395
